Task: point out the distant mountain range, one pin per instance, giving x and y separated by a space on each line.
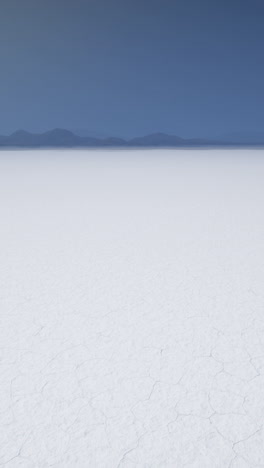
61 138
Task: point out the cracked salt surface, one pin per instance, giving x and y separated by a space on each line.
132 309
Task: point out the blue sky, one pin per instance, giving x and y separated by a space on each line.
125 68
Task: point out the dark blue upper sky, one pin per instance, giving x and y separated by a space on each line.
129 67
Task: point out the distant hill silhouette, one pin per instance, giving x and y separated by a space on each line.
62 138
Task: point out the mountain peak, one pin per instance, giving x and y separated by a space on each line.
20 133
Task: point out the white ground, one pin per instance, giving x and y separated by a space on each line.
132 309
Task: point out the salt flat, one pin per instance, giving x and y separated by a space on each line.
132 309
